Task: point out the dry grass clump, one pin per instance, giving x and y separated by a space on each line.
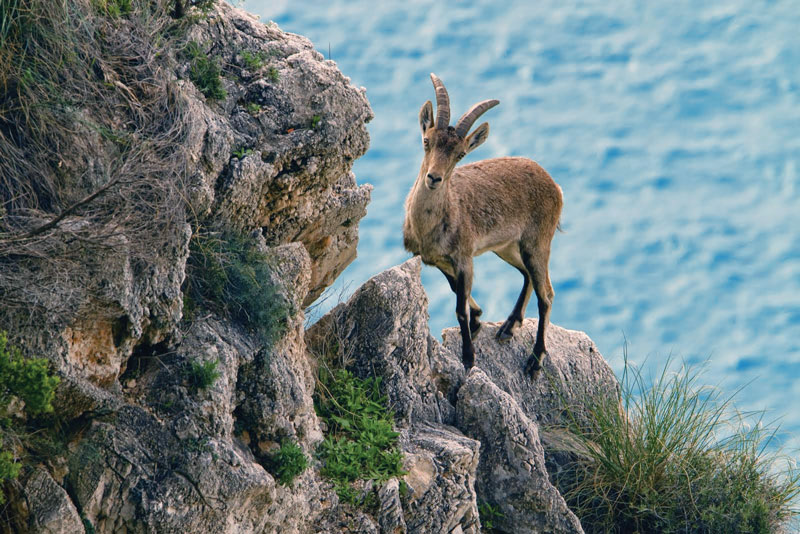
675 457
90 136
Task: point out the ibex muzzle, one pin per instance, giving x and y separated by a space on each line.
509 206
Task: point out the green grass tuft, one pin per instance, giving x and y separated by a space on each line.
205 72
273 75
675 457
202 375
228 274
360 443
254 60
288 462
488 514
113 8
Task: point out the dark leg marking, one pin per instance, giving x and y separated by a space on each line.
468 351
474 313
514 320
544 295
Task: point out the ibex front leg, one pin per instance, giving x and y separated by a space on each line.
463 289
474 310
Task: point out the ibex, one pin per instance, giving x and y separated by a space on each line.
509 206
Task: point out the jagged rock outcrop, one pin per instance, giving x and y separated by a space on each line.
483 425
47 505
298 124
511 474
146 448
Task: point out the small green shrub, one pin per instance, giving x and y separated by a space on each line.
228 274
253 108
288 462
205 72
241 152
315 120
273 75
113 8
360 443
674 457
254 60
28 379
9 470
25 379
202 375
488 515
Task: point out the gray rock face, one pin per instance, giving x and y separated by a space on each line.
298 124
384 330
511 474
441 464
573 371
450 418
49 509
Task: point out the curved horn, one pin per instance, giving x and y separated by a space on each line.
442 103
468 119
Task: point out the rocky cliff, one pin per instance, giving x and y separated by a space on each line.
141 444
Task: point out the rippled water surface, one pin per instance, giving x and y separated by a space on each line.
673 128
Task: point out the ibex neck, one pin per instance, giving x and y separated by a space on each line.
427 206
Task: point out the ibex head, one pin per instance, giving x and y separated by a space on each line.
445 145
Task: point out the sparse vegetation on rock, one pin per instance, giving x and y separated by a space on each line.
288 462
360 443
25 380
167 212
675 457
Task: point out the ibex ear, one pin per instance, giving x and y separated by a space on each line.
426 117
477 137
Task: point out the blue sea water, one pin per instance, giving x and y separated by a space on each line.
673 128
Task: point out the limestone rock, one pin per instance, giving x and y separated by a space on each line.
511 473
298 125
49 508
384 328
390 515
275 384
441 464
573 371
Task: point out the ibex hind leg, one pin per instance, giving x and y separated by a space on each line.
506 332
512 255
540 278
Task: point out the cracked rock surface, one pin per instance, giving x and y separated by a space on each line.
146 449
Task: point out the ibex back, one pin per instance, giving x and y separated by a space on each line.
509 206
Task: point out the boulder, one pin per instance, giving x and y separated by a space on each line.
511 476
573 371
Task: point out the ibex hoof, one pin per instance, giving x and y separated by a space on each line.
506 332
534 365
468 358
